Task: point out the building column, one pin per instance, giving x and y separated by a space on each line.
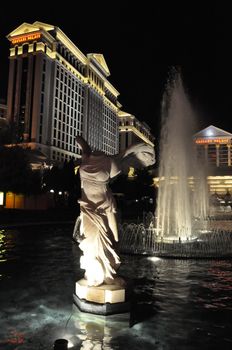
18 91
10 94
229 155
27 117
206 154
217 156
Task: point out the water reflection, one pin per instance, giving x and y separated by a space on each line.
176 304
96 332
9 251
2 246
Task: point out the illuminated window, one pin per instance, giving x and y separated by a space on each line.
1 198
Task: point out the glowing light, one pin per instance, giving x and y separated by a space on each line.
93 270
206 141
76 169
131 172
72 340
70 345
1 198
27 37
209 132
51 191
153 258
2 234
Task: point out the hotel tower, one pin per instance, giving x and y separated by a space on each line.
56 92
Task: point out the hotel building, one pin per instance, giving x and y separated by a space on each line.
214 148
56 92
131 130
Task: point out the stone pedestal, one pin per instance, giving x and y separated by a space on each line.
106 299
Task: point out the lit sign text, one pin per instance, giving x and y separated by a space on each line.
27 37
203 141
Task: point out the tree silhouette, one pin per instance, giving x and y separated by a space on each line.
16 174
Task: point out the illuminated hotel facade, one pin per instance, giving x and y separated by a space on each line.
131 130
214 148
56 92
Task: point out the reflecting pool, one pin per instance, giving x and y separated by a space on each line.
177 304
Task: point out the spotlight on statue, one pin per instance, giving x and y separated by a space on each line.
61 344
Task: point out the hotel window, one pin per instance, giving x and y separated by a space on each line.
223 155
212 155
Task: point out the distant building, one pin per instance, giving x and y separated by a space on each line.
56 92
214 147
131 130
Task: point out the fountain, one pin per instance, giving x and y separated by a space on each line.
181 225
178 204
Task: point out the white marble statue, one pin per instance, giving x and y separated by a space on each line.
98 225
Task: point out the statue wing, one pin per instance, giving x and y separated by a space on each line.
138 156
86 150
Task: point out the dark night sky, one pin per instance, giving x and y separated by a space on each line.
140 43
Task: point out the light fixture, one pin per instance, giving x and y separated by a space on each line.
61 344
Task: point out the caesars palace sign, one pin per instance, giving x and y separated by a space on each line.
24 38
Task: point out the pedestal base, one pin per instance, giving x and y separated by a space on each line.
101 309
102 300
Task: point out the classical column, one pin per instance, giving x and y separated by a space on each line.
29 101
217 155
229 155
206 154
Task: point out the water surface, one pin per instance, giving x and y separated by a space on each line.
176 304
